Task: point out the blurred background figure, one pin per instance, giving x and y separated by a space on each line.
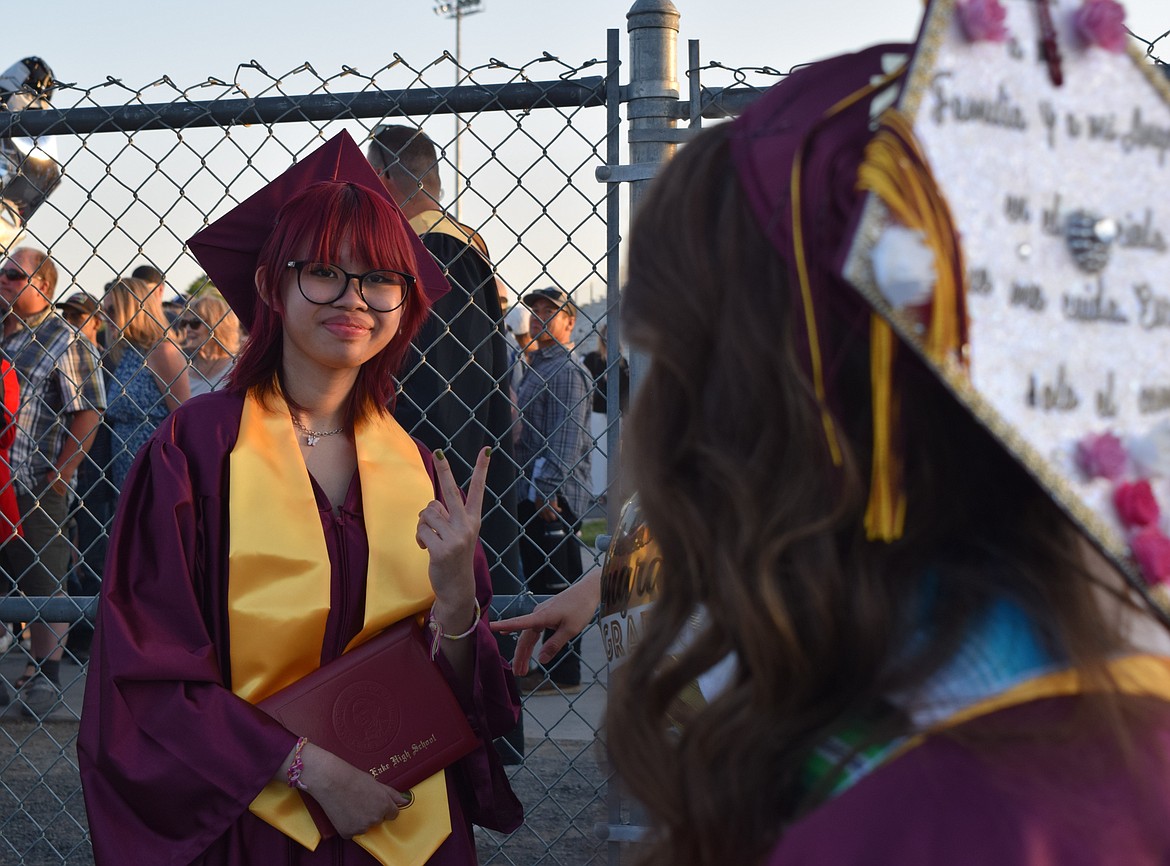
554 453
62 397
520 343
9 406
92 505
152 276
147 373
209 334
83 312
597 363
453 386
172 304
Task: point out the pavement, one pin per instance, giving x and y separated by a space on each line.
572 718
12 666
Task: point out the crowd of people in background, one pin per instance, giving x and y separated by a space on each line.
101 370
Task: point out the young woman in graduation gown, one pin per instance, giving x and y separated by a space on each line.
956 679
265 530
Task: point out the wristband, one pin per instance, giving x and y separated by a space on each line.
297 766
437 633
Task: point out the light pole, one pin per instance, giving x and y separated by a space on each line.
457 9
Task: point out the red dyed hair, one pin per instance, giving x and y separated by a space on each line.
316 224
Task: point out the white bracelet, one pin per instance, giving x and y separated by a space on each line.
437 633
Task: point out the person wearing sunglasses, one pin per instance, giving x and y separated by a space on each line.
209 333
270 527
62 397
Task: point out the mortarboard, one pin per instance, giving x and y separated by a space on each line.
998 197
228 248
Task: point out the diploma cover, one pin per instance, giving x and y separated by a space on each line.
384 707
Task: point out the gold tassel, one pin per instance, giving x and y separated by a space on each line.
885 515
810 319
895 170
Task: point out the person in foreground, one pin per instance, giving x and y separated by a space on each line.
984 688
268 528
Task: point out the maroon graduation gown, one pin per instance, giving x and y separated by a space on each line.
1024 786
169 757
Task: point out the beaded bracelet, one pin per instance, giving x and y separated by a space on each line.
298 765
437 633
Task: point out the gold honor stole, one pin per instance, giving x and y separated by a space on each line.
1140 674
279 592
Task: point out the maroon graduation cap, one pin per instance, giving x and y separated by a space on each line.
228 248
992 206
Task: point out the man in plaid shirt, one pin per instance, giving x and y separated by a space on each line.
554 398
62 395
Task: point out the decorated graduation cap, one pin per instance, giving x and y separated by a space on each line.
1000 190
228 249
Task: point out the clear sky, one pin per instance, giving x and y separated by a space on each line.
141 41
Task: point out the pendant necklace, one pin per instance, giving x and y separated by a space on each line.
312 437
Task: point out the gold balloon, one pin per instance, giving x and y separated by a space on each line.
629 588
629 583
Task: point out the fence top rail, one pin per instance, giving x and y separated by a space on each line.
584 92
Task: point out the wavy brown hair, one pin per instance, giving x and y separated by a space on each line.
758 527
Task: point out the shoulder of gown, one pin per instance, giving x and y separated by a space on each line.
169 757
1032 784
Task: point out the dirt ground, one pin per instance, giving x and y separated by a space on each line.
42 817
561 782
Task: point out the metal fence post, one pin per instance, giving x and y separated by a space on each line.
615 492
652 95
652 105
652 101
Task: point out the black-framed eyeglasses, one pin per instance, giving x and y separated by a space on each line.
382 290
184 324
13 274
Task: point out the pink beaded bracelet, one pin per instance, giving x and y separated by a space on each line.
298 765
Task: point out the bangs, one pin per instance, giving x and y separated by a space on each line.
317 224
348 215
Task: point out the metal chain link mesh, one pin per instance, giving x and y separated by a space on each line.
1154 48
142 169
726 90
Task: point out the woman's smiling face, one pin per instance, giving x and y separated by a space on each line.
340 335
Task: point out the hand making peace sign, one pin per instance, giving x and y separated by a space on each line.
449 532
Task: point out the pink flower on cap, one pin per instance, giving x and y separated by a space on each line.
1101 23
982 20
1135 504
1151 549
1101 456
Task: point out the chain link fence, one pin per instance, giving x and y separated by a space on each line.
1155 48
522 148
141 170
